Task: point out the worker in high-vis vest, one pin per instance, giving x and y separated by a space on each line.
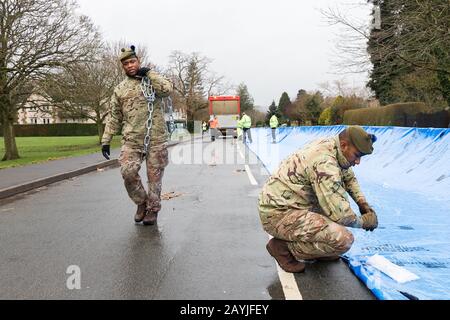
239 129
246 123
213 125
274 125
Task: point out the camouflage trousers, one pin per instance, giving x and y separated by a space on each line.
310 235
130 160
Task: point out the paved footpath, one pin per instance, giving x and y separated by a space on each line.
15 176
18 180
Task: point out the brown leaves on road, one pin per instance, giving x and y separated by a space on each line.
171 195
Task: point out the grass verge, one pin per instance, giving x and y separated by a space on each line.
41 149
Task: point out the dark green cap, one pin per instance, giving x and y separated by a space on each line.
128 53
361 139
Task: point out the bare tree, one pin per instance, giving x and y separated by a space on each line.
340 87
351 54
37 37
217 86
410 32
405 37
194 81
83 90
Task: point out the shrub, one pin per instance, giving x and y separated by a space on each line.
390 115
325 117
54 130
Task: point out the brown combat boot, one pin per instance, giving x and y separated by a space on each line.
151 218
280 251
140 213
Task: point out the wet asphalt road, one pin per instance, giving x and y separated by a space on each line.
208 243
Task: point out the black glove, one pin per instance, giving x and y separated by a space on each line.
106 151
142 72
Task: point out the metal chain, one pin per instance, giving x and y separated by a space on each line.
171 119
150 96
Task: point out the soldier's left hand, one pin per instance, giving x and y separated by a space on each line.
364 208
369 221
106 151
142 72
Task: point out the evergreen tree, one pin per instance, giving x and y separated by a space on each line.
273 110
385 69
194 88
301 93
410 44
313 107
247 102
283 105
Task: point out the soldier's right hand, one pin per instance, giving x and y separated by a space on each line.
369 221
106 151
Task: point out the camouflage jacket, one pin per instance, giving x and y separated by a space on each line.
128 110
313 178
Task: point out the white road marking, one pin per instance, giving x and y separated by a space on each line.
250 176
289 284
290 288
240 152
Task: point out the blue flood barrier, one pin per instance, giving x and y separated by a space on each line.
407 181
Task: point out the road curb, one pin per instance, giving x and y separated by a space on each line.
12 191
25 187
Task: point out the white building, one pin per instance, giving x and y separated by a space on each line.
178 115
38 110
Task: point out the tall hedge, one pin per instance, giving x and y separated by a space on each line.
440 119
54 130
390 115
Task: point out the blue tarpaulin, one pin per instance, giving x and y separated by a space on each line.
407 181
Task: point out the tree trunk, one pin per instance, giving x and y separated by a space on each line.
11 152
100 130
189 114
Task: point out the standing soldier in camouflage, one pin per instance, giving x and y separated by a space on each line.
129 110
305 206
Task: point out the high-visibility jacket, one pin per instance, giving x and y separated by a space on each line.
274 122
213 124
239 124
246 122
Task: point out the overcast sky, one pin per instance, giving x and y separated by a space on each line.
271 46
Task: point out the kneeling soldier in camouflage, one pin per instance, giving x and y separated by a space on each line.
304 205
130 110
